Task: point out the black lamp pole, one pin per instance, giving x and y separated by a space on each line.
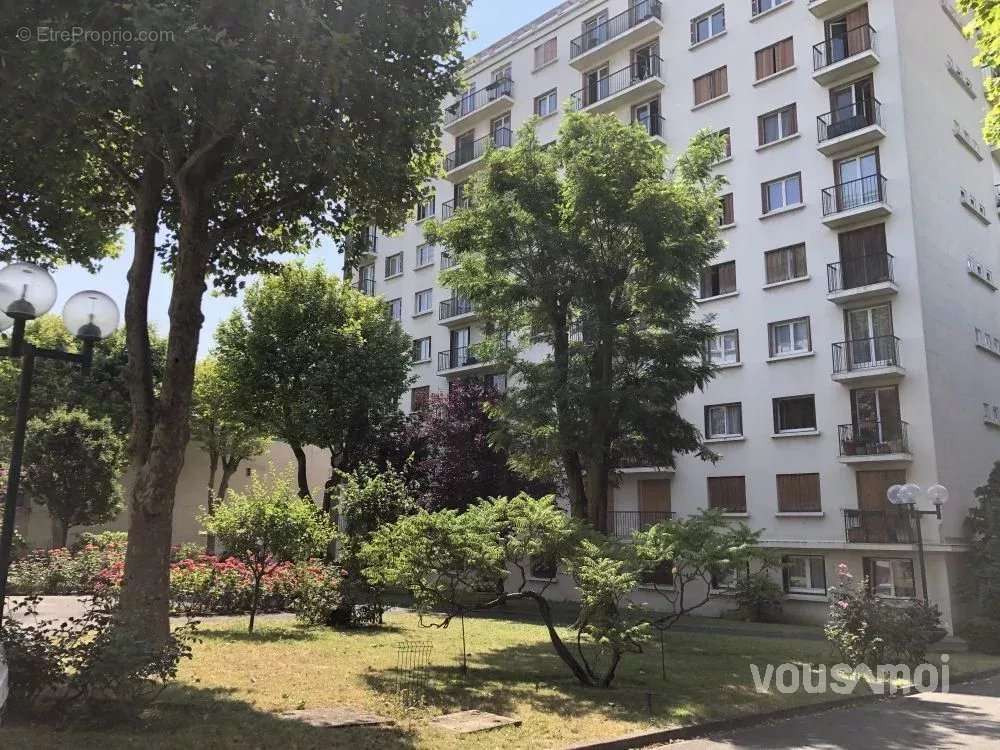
27 352
917 517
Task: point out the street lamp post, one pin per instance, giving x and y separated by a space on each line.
26 292
906 496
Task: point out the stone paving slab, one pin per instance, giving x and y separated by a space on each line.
337 716
467 722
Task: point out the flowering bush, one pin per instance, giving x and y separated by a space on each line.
60 571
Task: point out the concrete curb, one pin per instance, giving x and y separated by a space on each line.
663 736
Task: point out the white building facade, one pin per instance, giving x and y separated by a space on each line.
856 299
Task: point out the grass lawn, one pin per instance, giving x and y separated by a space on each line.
228 694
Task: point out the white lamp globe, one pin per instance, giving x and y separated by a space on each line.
26 291
938 494
909 493
91 315
893 494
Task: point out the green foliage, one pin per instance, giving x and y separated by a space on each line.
758 596
102 541
268 525
983 527
73 466
985 29
982 634
868 629
590 246
317 594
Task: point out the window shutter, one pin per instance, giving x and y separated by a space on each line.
799 260
727 277
774 266
694 34
785 54
702 88
764 203
793 120
765 63
721 79
760 130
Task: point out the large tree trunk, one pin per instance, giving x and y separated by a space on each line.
146 587
60 531
570 458
600 418
213 467
300 473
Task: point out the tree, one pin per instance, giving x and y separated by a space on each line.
459 463
985 29
74 464
588 246
983 526
245 130
217 426
313 361
266 526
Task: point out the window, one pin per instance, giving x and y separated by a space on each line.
497 381
790 337
546 104
395 308
423 301
724 349
546 52
425 255
394 265
708 25
728 494
805 574
785 264
775 58
726 580
427 209
794 414
723 421
762 6
781 193
891 577
422 350
729 142
726 216
710 86
420 397
662 574
718 280
544 569
776 125
798 493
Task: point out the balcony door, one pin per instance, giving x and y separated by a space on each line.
595 85
852 107
644 62
857 181
459 345
648 115
459 195
500 130
468 101
847 35
869 333
501 82
465 144
879 521
863 257
595 30
875 416
654 500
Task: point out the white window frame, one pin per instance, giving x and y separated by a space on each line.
708 16
810 586
422 350
427 250
890 561
394 265
788 263
427 209
551 101
758 6
423 295
779 429
772 329
541 63
724 348
780 115
732 414
395 308
783 182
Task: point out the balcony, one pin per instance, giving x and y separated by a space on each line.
829 8
362 244
622 524
867 360
845 56
463 161
891 526
493 100
458 360
874 442
450 208
366 286
866 278
626 30
855 201
638 81
850 128
655 126
455 310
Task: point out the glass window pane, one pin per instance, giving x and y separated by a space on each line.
793 191
775 196
718 21
702 29
771 131
902 577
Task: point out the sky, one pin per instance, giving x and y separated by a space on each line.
487 19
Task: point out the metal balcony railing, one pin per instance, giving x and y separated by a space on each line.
472 150
624 523
846 196
452 308
446 261
616 82
844 120
850 274
366 286
873 438
842 46
449 208
880 526
476 100
638 12
859 355
451 359
655 126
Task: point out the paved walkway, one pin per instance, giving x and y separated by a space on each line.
968 717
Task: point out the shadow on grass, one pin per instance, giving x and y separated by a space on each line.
189 718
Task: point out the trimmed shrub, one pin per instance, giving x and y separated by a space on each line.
982 634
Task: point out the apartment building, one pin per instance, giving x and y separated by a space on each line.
856 300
